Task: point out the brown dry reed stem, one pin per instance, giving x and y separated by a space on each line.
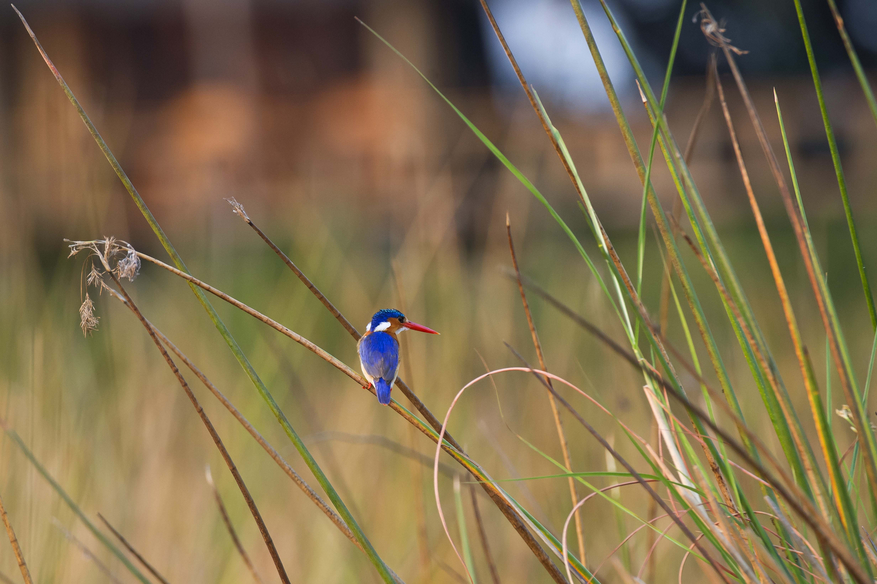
257 516
639 479
325 355
133 551
495 494
290 472
558 423
348 326
228 525
602 235
482 535
16 548
311 418
449 445
708 23
800 350
785 486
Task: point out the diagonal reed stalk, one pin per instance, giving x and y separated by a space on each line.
214 435
708 97
506 505
16 548
260 386
507 510
558 423
284 466
137 555
238 210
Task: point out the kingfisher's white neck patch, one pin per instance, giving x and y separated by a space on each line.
368 327
383 326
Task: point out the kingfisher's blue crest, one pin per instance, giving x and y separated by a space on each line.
384 315
379 349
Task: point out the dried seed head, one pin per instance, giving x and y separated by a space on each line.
109 246
87 320
78 246
714 32
94 276
238 209
129 266
847 414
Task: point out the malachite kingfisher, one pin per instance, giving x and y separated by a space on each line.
379 349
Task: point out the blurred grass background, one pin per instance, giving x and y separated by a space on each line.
373 188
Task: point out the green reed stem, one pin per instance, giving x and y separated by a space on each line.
309 460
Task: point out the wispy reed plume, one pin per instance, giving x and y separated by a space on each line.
16 548
133 551
228 525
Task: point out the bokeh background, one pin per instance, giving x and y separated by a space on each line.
351 163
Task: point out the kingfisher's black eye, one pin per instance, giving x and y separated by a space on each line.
401 319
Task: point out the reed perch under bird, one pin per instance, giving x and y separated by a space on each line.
379 349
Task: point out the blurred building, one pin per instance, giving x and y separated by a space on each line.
271 99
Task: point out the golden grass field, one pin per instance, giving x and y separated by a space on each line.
107 419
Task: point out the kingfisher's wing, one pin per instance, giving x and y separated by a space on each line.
379 353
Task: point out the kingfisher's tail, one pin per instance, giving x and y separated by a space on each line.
383 390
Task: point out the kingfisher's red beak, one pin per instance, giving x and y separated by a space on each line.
419 327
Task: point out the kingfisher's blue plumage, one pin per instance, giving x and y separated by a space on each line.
379 350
